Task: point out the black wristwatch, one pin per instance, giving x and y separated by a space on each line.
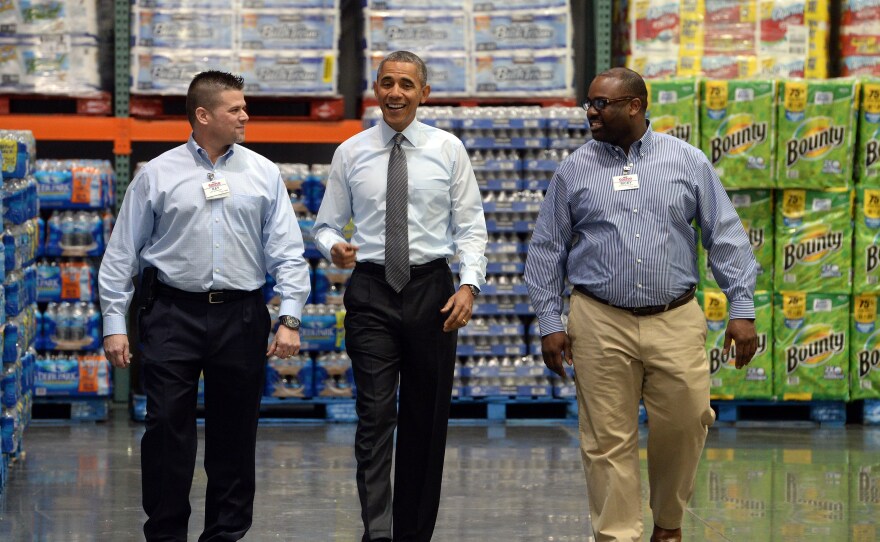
474 290
289 322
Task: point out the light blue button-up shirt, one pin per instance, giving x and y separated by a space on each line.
445 211
199 245
636 248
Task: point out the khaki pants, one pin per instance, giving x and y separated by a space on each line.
620 358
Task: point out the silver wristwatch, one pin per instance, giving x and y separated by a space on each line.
474 290
289 322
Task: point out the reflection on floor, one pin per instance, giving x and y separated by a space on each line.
502 483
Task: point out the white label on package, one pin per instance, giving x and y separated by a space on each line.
546 29
289 72
548 72
278 29
416 31
183 29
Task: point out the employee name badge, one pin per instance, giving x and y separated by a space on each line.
215 188
625 182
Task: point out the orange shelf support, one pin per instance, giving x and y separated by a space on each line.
123 131
64 127
256 131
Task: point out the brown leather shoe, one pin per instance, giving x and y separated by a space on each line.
666 535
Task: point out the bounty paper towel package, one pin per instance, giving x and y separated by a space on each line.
866 259
528 29
738 131
289 72
816 127
673 108
523 72
157 71
182 29
865 348
755 210
287 29
811 351
813 240
416 31
868 151
753 381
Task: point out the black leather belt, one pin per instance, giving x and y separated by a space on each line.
644 311
213 297
414 270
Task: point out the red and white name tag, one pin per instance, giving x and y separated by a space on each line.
625 182
215 189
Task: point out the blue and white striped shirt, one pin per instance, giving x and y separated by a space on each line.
636 248
200 245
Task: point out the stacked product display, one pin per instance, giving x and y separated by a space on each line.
75 198
860 37
322 369
479 48
788 151
49 47
280 47
18 303
730 39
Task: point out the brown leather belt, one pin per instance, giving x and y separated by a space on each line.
644 311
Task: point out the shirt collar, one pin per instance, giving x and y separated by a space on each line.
641 147
201 154
412 132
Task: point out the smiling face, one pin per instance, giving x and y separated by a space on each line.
400 92
619 123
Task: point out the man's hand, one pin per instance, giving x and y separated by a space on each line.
116 350
460 307
285 344
742 333
555 347
344 255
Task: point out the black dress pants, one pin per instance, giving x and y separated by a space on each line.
391 336
180 338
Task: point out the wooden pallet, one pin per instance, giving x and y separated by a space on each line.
259 107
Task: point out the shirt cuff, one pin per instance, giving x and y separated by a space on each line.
114 324
466 276
744 308
550 324
290 307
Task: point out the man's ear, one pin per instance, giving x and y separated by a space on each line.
201 115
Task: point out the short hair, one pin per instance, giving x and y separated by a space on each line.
204 90
408 58
631 81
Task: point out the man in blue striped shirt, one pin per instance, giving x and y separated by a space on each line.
617 222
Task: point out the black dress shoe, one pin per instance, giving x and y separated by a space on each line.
665 535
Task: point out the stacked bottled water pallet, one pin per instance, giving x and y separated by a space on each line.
75 197
18 295
322 370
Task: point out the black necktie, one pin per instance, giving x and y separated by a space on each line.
396 223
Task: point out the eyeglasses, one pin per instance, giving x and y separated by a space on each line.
601 103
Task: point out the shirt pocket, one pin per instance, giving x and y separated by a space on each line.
247 214
431 195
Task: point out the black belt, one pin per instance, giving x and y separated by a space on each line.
213 296
414 270
644 311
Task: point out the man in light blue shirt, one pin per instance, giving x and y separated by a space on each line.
405 327
616 221
202 224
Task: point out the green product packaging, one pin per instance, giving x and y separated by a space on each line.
810 495
673 108
865 348
755 381
811 346
738 131
864 494
866 257
816 133
868 152
814 240
734 493
755 210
